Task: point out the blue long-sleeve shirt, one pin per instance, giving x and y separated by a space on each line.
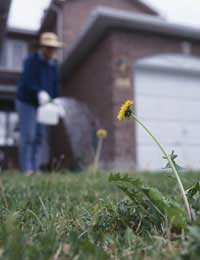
38 74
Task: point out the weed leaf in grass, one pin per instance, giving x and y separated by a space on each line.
193 191
85 248
193 195
191 249
173 156
146 197
173 211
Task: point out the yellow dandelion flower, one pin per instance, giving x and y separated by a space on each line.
102 133
125 110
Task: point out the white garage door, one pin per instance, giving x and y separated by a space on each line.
168 102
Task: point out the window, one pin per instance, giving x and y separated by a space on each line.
3 56
13 54
8 128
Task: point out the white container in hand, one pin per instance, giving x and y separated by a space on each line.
48 114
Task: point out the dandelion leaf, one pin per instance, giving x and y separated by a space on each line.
143 195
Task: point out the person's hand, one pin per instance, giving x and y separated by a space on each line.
43 98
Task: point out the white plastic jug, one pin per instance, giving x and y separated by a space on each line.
48 114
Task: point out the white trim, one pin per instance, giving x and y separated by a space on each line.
8 88
171 62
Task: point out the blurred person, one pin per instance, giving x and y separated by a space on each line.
39 83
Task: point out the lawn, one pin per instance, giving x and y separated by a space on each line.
82 216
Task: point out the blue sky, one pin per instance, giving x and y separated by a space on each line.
27 14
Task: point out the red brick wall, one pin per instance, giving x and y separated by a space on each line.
93 83
76 12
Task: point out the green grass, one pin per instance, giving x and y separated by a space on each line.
77 216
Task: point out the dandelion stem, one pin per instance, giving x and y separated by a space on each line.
187 206
3 193
97 155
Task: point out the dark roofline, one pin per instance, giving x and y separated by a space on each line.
147 7
104 19
23 32
50 15
4 9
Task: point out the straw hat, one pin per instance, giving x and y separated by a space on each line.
49 39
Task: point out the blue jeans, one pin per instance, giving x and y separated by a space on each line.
32 136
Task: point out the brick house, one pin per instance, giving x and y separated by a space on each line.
109 45
14 46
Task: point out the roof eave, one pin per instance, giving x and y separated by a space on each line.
104 19
25 32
